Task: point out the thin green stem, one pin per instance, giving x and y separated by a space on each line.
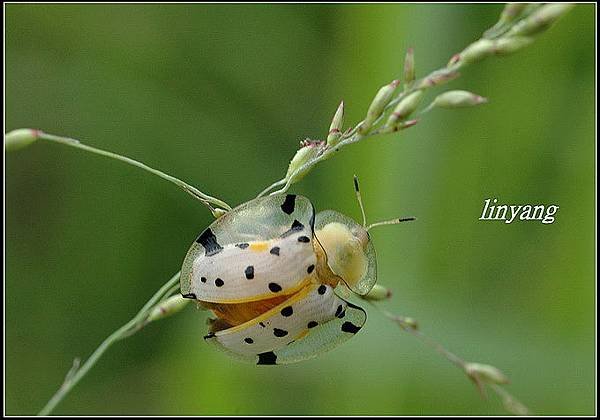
75 375
510 403
144 320
207 200
408 327
271 187
433 79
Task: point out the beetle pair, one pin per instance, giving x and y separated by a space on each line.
271 271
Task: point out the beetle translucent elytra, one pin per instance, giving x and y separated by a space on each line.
270 271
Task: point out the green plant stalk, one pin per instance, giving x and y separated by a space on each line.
510 403
433 79
193 191
353 136
75 374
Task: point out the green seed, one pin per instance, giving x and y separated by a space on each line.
458 99
335 129
20 138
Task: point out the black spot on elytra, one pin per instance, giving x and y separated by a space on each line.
304 239
322 289
339 312
243 245
219 282
287 311
268 358
275 250
289 204
296 227
312 324
248 340
262 324
274 287
279 333
351 305
203 279
349 327
249 272
209 241
310 268
189 296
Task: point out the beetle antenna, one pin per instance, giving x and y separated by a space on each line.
360 203
391 222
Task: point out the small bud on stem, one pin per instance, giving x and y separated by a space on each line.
486 373
541 19
407 323
383 97
406 107
377 293
510 13
505 46
167 308
20 138
438 78
335 129
309 150
218 212
475 52
457 99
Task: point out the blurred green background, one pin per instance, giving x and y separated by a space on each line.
220 95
